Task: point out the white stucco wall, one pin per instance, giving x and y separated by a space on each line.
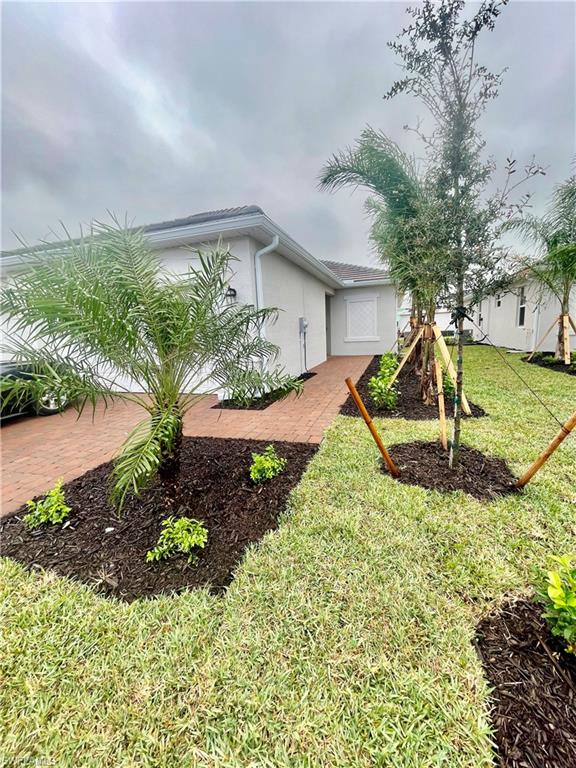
179 258
385 299
501 322
443 319
296 293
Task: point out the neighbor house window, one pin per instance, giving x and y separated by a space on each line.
498 299
362 319
522 307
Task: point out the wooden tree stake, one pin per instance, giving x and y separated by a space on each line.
394 471
406 356
543 338
449 365
441 408
545 455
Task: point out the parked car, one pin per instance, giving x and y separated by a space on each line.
48 404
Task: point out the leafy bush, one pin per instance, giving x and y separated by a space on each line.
248 385
387 366
383 395
558 595
180 535
51 509
266 465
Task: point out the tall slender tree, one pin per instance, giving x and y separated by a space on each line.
438 55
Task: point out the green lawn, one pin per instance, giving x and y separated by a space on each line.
345 638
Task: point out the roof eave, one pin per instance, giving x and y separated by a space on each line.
366 283
258 225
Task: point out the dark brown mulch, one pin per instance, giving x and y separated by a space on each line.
547 360
409 404
263 402
534 681
215 489
426 464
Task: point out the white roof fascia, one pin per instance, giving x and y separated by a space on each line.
252 224
366 283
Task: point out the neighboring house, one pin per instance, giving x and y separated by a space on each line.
326 308
518 317
443 318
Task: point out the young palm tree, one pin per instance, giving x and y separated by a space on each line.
404 229
101 318
554 235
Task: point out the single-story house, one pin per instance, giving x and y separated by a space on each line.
518 317
326 308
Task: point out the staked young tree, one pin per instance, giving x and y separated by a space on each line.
554 268
406 234
437 51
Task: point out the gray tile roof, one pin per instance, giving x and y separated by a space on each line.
197 218
355 272
203 218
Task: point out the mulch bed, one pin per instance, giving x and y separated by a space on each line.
215 488
426 464
534 682
409 404
547 360
263 402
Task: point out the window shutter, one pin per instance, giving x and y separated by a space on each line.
361 319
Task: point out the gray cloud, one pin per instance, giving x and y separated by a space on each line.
166 109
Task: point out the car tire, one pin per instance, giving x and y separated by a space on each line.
49 404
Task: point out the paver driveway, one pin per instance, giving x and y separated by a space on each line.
37 451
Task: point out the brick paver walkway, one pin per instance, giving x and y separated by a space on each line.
37 451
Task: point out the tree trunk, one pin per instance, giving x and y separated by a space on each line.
559 354
427 372
169 469
428 357
455 443
415 324
565 311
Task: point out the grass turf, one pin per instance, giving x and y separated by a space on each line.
345 639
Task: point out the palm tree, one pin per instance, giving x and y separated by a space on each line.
554 235
101 318
404 229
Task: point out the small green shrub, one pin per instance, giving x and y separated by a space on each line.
180 535
51 509
558 595
266 465
387 365
381 394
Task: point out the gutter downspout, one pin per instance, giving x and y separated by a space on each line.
258 276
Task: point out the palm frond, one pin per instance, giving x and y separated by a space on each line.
140 458
377 164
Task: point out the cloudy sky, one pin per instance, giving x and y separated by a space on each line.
165 109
